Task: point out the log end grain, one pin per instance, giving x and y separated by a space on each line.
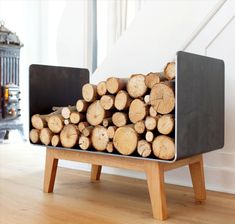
55 140
56 123
107 102
69 136
122 100
38 122
99 138
136 86
81 105
166 124
89 92
139 127
114 84
34 136
84 142
169 70
119 119
95 113
111 131
45 136
101 88
151 79
144 148
137 111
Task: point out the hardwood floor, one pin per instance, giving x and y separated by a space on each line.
113 200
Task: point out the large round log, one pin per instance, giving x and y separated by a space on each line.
45 136
163 147
169 71
89 92
138 110
101 88
136 86
69 136
122 100
119 119
34 135
56 123
114 84
99 138
144 148
162 97
166 124
125 140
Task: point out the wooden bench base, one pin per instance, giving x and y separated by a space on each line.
154 172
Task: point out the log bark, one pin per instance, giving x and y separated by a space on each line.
169 70
111 131
101 88
125 140
149 136
139 127
76 117
82 105
122 100
84 142
99 138
87 131
69 136
119 119
56 123
107 102
164 147
96 113
137 111
153 78
89 92
152 112
107 122
144 148
136 86
114 84
66 111
34 135
82 125
151 122
110 147
45 136
55 140
162 97
166 124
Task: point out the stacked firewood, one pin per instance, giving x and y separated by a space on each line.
126 116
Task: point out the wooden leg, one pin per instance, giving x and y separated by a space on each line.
198 180
50 171
155 180
95 172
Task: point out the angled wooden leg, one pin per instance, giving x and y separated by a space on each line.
50 171
198 180
95 172
155 179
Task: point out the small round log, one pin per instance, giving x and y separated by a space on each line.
38 121
76 117
163 147
66 111
111 131
110 147
107 122
82 105
69 136
139 127
169 71
34 135
87 131
66 121
149 136
84 142
151 122
119 119
107 102
152 112
56 123
55 140
89 92
166 124
45 136
147 99
122 100
153 78
101 88
138 110
99 138
144 148
82 125
114 84
125 140
136 86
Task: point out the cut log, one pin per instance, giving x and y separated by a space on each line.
45 136
162 97
144 148
119 119
39 121
69 136
76 117
84 142
151 122
136 86
138 110
101 88
122 100
149 136
56 123
152 112
169 71
55 140
89 92
82 125
166 124
66 121
66 111
87 131
111 131
147 99
107 102
99 138
125 140
96 113
164 147
34 135
110 147
114 84
139 127
153 78
107 122
82 105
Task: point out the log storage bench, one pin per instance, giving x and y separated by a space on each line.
151 122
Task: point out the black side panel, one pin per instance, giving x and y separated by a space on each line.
54 86
200 104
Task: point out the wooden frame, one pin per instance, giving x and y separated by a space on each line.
154 172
